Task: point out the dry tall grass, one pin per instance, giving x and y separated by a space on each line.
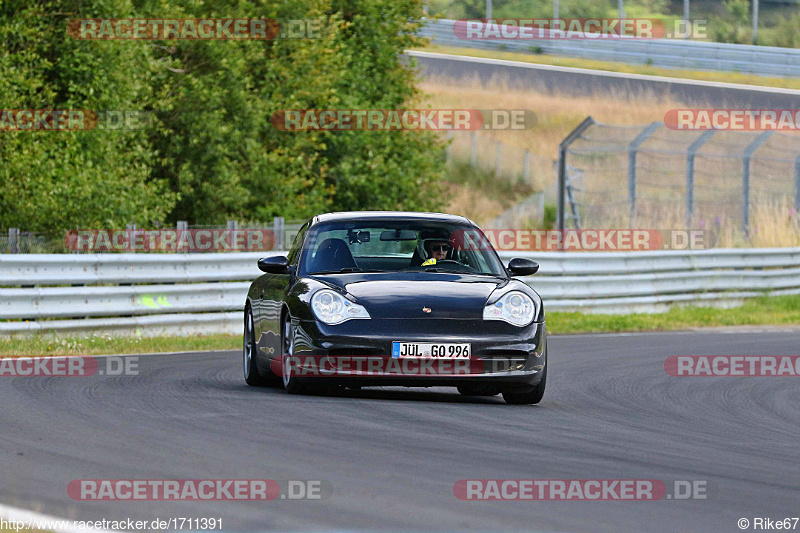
556 115
774 222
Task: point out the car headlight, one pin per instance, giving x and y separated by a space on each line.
515 307
331 307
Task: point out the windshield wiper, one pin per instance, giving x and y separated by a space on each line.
447 271
348 270
340 271
479 273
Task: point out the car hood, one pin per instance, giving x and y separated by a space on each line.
403 295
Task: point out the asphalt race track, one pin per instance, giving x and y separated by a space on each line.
392 456
583 82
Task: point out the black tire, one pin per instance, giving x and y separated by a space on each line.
290 382
252 376
526 398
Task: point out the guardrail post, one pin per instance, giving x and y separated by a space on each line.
633 150
473 149
499 163
280 234
797 184
748 154
573 205
13 240
233 224
563 147
693 148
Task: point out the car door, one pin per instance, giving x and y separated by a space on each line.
273 290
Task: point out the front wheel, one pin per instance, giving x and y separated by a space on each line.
251 374
524 398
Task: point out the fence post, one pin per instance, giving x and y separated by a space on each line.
693 148
13 240
182 224
562 167
499 163
280 234
233 224
473 149
748 154
526 163
797 184
633 150
573 205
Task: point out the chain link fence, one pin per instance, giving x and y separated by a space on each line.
743 186
510 164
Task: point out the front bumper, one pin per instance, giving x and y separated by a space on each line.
502 354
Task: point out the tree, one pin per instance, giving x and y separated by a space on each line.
210 153
66 179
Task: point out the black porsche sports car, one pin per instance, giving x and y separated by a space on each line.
395 299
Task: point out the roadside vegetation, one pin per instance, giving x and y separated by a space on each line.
762 311
478 194
100 344
207 151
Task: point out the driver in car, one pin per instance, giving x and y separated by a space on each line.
437 251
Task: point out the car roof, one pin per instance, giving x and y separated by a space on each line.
389 215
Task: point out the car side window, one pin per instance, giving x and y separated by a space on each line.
294 252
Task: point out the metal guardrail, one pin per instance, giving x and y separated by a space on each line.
204 293
764 60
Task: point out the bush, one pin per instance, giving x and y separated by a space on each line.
211 152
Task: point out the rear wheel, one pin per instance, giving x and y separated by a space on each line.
251 374
524 398
290 381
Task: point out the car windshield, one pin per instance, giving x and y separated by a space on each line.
402 245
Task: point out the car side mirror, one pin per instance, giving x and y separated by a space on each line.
522 267
276 264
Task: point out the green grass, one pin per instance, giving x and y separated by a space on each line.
776 310
647 70
766 310
95 344
506 190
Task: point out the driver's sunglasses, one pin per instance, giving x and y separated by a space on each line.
440 247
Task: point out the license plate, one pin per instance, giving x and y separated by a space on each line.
444 350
